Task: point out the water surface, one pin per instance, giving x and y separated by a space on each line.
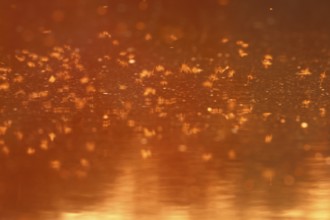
164 110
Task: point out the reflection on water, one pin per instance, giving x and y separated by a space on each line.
163 116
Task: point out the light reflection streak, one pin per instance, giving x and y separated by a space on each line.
316 199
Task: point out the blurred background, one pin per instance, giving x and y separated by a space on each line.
163 109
